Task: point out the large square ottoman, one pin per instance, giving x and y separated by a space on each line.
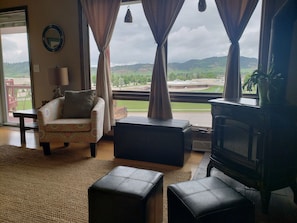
127 195
153 140
207 200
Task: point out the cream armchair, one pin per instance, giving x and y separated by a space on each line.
53 127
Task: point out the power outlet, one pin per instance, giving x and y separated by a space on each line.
36 68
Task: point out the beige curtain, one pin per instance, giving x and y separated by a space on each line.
101 16
161 15
235 15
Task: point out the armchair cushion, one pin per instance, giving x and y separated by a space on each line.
78 104
69 125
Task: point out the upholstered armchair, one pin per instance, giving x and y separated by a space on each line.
77 117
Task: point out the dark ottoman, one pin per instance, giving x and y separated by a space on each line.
127 194
153 140
207 200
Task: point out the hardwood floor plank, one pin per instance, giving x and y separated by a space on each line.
105 147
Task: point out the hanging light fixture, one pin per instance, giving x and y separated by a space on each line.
128 16
201 5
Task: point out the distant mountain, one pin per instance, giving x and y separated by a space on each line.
16 69
135 68
207 65
212 64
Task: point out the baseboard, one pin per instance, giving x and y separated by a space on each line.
201 139
201 145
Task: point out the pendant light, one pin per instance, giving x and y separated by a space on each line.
128 17
201 5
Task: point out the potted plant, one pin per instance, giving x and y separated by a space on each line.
270 86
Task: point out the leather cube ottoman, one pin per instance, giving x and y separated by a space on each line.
207 200
127 195
153 140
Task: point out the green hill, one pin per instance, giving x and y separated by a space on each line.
16 69
215 65
212 65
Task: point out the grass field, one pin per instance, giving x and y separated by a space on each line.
24 104
140 106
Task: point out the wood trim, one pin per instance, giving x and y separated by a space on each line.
84 49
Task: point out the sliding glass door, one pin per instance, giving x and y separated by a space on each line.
15 79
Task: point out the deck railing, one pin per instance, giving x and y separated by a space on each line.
16 93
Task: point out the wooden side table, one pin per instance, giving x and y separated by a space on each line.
22 114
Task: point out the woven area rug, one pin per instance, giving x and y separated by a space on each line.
38 188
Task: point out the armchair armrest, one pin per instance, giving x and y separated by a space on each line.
50 111
97 117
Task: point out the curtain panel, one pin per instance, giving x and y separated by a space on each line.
161 15
235 15
101 16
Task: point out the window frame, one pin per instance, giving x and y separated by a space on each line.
192 97
267 12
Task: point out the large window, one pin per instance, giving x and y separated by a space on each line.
197 51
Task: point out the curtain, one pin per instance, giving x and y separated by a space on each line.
161 15
101 16
235 15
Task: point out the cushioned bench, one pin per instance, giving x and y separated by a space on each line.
153 140
127 195
207 200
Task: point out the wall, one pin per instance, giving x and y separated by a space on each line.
292 78
283 44
64 13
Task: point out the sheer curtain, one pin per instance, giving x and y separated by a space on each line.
101 16
161 15
235 15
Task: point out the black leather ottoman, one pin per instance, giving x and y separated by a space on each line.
207 200
127 195
153 140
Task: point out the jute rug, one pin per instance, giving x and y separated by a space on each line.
38 188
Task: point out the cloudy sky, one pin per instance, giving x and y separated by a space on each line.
195 35
15 48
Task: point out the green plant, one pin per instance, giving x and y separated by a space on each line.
270 86
254 79
273 79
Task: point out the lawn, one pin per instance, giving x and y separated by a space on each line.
140 106
24 104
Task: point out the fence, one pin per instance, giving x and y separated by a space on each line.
16 93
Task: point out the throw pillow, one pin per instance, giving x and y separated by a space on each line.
78 104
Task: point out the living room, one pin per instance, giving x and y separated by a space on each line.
68 14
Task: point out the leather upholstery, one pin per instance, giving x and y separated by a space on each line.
207 200
127 195
153 140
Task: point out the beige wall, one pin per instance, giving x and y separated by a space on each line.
41 13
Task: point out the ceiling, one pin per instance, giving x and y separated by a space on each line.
126 2
12 18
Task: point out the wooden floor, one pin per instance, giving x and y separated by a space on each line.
11 136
